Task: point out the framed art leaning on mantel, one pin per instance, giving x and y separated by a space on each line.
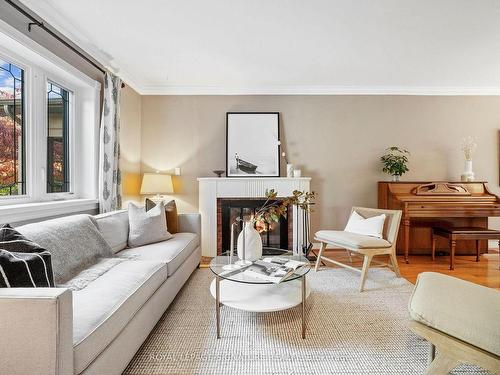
252 144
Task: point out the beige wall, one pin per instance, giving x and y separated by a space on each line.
336 140
130 144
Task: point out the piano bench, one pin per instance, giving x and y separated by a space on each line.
462 233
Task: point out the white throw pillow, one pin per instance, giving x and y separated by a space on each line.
372 226
146 227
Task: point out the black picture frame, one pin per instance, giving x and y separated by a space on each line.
252 161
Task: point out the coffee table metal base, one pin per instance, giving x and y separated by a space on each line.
260 297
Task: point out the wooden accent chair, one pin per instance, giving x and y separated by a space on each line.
366 246
460 319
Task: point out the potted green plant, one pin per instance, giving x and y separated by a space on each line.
395 162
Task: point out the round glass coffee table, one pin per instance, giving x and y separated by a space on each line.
240 290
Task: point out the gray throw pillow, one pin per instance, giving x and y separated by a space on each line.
146 227
73 241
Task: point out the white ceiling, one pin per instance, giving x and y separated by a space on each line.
289 46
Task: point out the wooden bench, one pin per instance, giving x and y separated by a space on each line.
462 233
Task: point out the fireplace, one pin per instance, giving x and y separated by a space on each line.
273 234
214 189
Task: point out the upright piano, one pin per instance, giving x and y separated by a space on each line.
425 204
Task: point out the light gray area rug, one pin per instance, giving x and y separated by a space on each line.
347 332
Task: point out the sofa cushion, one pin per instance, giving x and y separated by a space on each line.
352 240
92 273
74 243
103 308
458 308
114 228
172 252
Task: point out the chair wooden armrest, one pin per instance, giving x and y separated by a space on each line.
452 351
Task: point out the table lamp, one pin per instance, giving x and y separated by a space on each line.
156 183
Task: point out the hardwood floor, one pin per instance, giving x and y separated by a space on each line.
485 272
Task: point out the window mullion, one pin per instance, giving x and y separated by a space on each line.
40 135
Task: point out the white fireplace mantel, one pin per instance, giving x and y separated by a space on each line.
212 188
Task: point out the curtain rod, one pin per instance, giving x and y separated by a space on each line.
40 24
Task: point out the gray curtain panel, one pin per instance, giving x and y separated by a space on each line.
110 198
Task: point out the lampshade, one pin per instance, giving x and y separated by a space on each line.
156 183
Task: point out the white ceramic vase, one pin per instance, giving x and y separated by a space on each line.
468 174
289 170
252 242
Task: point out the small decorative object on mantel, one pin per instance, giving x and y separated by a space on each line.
395 162
218 172
289 166
468 147
289 169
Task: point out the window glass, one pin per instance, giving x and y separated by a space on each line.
58 139
12 130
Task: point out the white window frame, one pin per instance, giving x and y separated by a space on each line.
28 129
41 66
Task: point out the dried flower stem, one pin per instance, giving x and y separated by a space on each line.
468 147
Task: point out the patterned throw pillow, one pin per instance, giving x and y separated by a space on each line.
23 263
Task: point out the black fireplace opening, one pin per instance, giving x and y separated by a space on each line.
273 234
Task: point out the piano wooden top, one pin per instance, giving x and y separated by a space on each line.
473 199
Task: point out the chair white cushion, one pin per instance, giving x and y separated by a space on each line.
351 240
172 252
114 228
459 308
371 226
147 226
103 308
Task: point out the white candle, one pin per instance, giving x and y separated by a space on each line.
232 244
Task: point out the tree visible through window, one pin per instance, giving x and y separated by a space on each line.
12 154
58 139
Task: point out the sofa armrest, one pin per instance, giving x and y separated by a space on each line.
36 331
190 223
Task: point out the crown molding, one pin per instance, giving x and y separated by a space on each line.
317 90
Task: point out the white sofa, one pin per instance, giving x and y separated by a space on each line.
99 328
